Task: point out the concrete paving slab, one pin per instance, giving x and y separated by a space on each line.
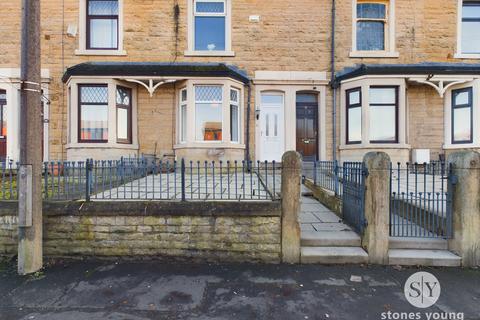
434 258
330 239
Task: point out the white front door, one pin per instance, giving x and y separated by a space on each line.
272 127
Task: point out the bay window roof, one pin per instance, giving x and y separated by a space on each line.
408 69
156 69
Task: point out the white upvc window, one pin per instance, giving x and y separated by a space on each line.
209 28
100 28
373 29
235 115
209 113
468 24
183 116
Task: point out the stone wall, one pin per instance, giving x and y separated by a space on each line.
244 232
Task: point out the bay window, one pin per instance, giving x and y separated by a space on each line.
354 116
208 113
383 114
462 116
124 115
93 113
102 22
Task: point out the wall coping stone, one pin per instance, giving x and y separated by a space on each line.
153 208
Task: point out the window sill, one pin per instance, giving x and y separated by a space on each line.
81 52
189 53
467 56
374 54
461 146
209 145
375 146
102 146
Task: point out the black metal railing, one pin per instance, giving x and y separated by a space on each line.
142 179
325 174
420 200
353 199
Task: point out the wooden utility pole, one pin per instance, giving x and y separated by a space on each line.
30 252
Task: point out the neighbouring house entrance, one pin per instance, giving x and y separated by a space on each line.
3 125
307 126
272 126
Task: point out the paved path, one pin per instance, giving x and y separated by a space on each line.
89 290
315 217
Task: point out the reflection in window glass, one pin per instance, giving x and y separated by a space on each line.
470 27
462 116
234 115
383 114
124 113
3 114
93 113
208 113
183 115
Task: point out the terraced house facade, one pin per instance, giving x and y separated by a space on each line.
243 79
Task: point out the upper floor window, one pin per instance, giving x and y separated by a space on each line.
102 24
93 113
462 116
209 29
373 28
470 26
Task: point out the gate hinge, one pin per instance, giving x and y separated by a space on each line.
365 172
453 179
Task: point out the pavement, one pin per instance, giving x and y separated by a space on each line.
94 290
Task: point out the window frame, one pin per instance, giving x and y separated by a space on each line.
469 90
460 54
389 36
192 13
396 105
3 108
89 18
79 112
347 117
129 139
239 112
182 130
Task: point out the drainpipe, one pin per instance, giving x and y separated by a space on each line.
333 85
247 131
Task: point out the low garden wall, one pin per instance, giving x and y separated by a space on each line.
218 231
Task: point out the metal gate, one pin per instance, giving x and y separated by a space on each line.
353 198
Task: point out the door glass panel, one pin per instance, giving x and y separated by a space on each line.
275 99
306 98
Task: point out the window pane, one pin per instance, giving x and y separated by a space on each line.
210 7
370 35
275 99
184 95
103 8
461 124
3 95
234 126
470 37
371 10
461 97
306 98
3 110
210 33
208 93
94 94
471 11
382 95
122 124
234 95
354 97
103 33
183 123
354 124
382 123
94 122
208 121
123 96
